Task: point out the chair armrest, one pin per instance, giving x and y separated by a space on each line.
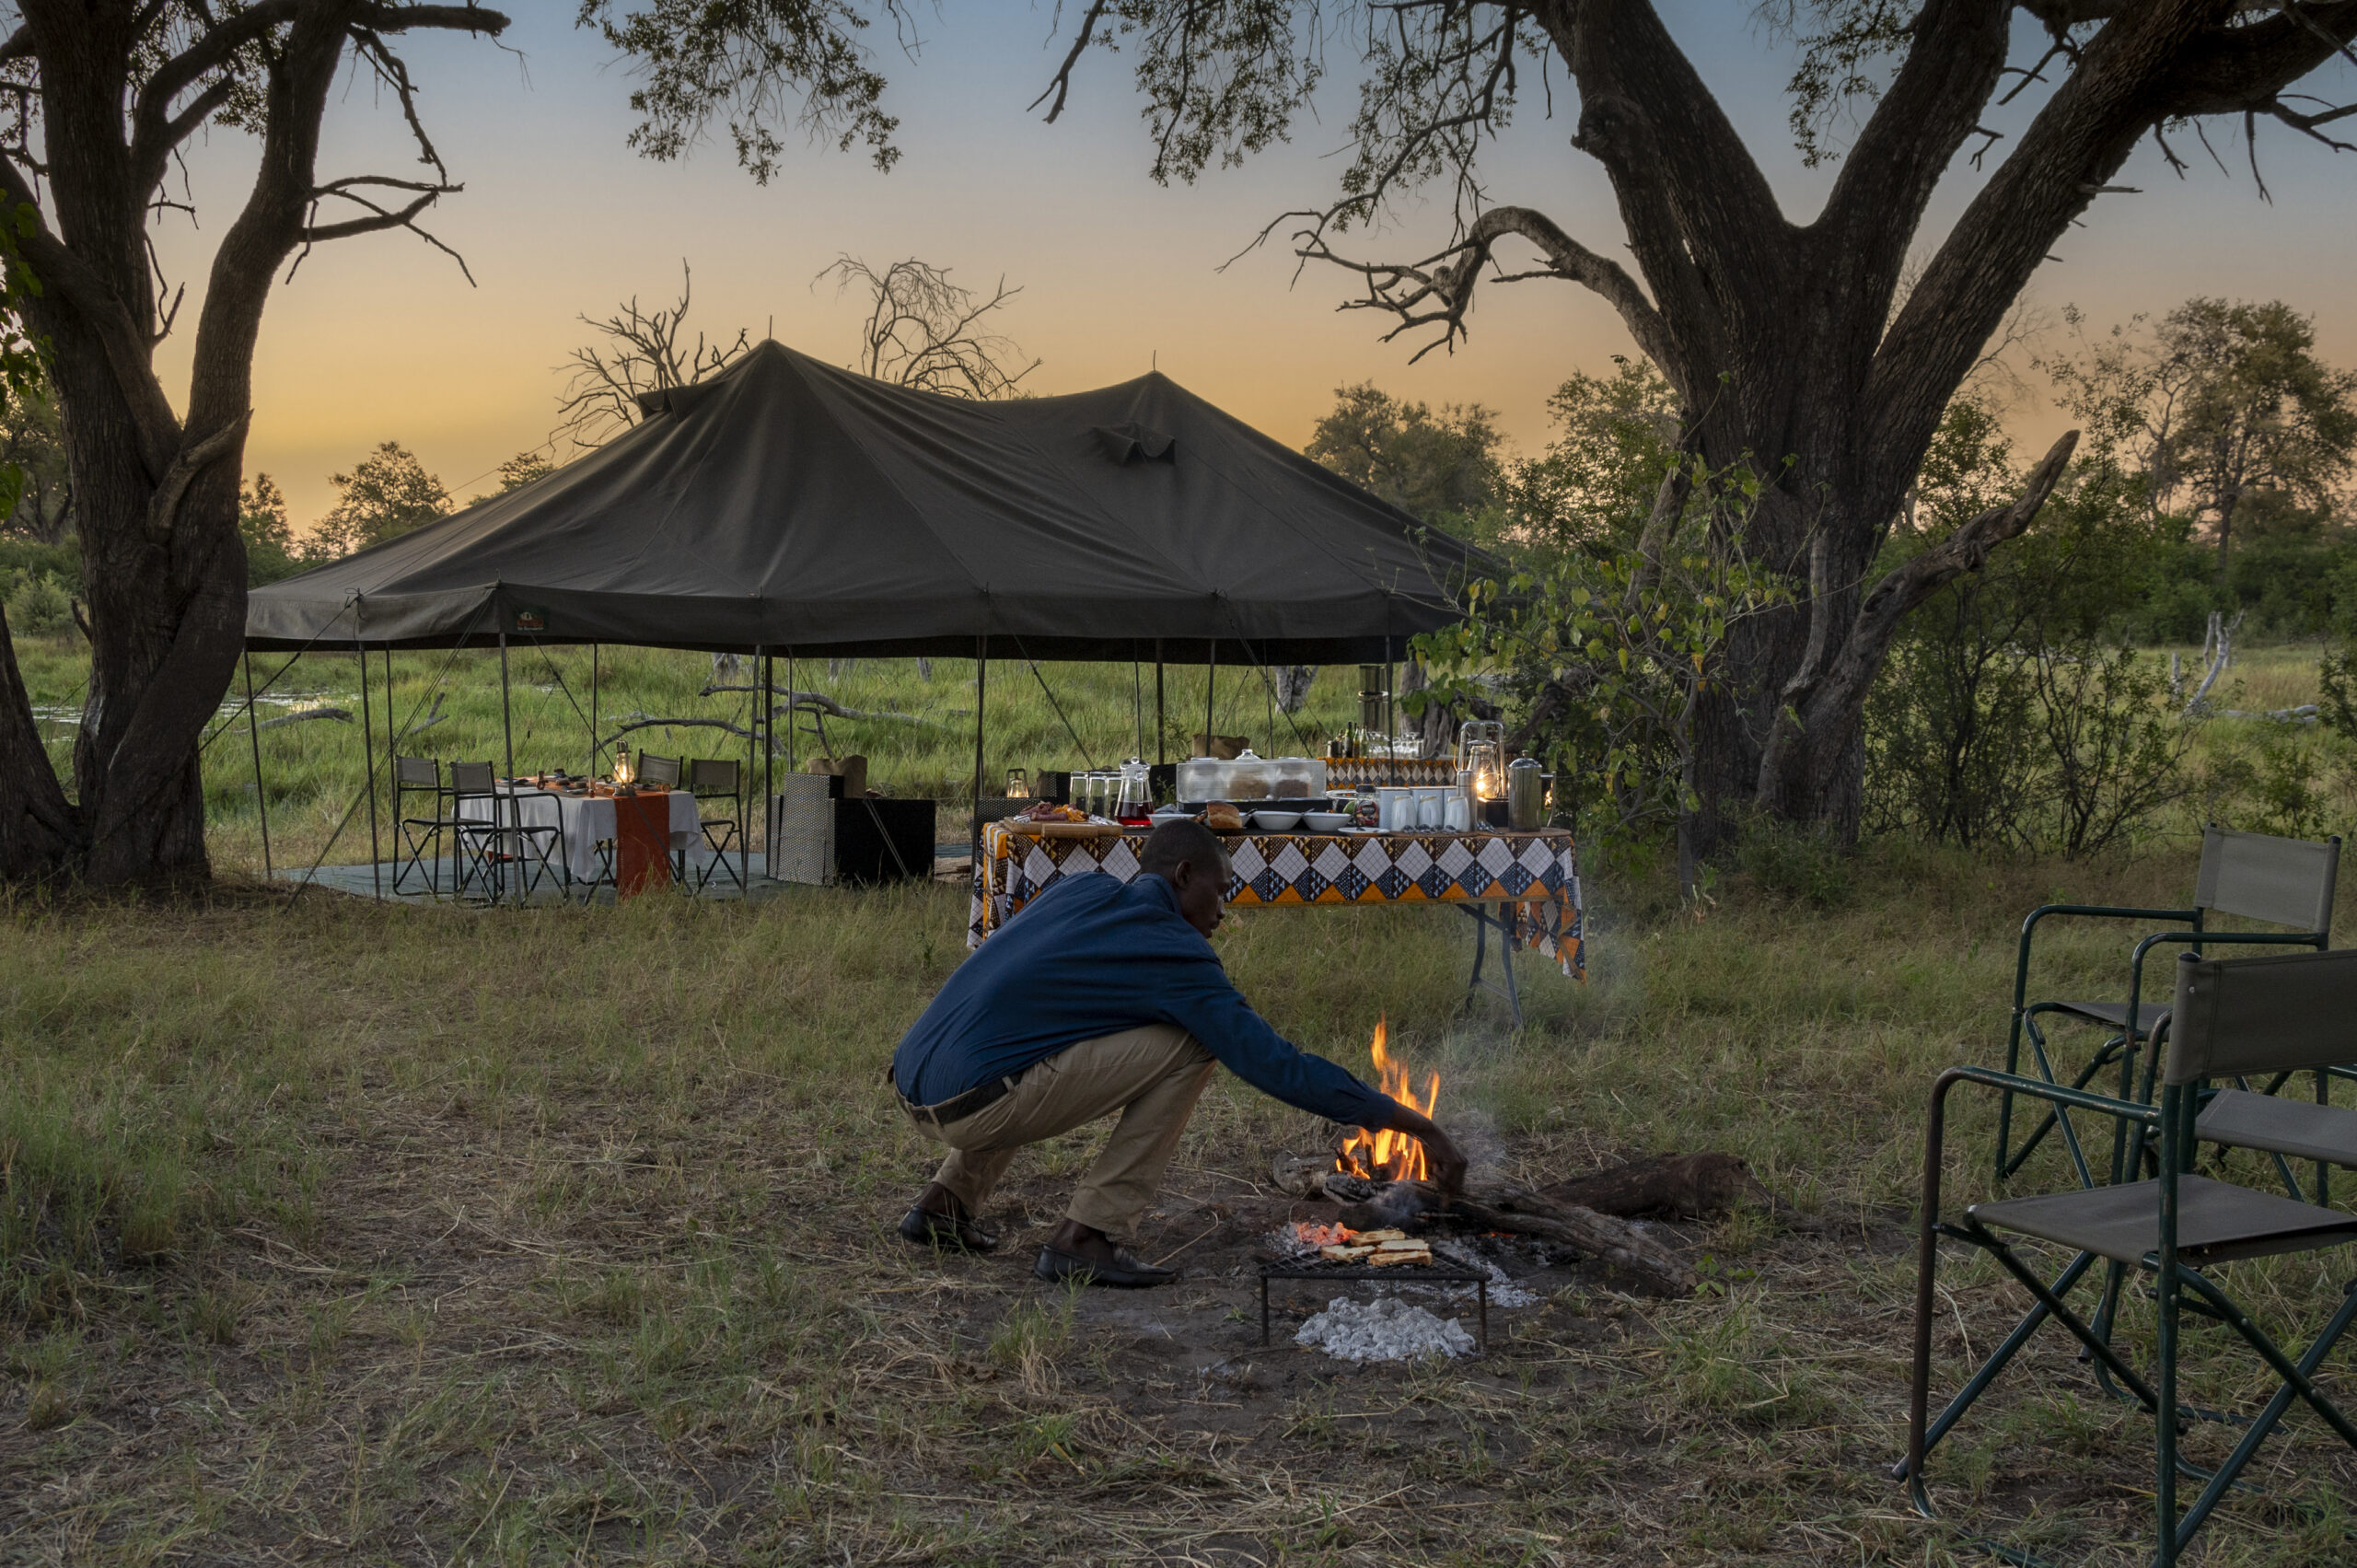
2039 1088
2092 911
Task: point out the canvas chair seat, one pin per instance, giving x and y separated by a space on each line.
2217 1222
2115 1014
2277 1125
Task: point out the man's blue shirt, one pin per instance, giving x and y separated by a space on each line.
1094 956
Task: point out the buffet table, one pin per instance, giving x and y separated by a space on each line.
1525 885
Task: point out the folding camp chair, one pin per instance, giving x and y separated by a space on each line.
654 770
499 841
423 839
2286 882
2277 1013
712 780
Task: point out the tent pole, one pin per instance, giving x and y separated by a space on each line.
1161 726
791 740
1211 687
507 730
745 825
1391 718
261 801
1268 680
368 759
982 678
1137 699
768 758
593 710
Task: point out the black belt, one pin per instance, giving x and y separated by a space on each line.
958 1106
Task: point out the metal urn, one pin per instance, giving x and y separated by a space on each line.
1525 795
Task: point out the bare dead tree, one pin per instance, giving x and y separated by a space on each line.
1791 343
642 351
923 331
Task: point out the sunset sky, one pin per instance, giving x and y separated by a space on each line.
382 338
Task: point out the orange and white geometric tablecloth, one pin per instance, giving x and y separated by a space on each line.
1532 879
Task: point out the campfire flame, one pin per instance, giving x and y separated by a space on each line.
1388 1155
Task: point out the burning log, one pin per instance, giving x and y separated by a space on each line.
1602 1237
1371 1208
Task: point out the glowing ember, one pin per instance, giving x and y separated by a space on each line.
1388 1155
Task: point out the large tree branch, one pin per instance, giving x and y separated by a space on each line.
215 49
2152 62
1826 706
1953 66
1438 290
1701 218
76 284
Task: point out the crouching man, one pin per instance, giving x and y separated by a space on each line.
1101 997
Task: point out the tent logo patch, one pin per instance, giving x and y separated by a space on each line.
531 618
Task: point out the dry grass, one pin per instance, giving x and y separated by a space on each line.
565 1235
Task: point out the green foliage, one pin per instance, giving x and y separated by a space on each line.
2226 411
1802 862
1439 467
387 494
39 603
1593 488
32 443
271 553
1605 654
517 472
2010 712
750 63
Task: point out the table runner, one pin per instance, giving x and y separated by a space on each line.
1534 876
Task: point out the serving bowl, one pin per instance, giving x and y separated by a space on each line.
1276 821
1324 822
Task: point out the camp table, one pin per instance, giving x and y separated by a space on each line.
645 829
1524 886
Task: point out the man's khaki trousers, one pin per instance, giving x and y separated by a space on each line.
1152 1076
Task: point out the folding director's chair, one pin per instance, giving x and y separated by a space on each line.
2286 882
2231 1018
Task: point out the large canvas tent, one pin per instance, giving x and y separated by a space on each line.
788 504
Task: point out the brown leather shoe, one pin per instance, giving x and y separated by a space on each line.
946 1233
1124 1272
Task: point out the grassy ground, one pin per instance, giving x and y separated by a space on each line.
417 1234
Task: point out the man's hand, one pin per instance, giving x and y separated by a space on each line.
1448 1160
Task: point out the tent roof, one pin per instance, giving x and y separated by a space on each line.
787 504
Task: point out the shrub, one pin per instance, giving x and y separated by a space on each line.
38 605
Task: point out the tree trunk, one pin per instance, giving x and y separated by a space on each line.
156 494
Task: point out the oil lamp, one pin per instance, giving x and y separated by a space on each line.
623 773
1019 787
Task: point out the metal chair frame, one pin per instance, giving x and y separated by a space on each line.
720 834
2180 1283
492 846
419 835
2222 850
655 769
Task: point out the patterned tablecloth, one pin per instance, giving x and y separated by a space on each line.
1533 877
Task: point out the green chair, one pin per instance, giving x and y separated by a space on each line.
2285 882
2231 1018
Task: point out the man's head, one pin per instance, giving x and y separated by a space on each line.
1187 855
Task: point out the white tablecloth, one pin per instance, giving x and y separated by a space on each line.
584 819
